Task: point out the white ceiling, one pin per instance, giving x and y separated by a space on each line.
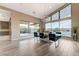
39 10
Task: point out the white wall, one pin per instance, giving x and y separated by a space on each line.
15 30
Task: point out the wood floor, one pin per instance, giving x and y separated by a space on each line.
29 47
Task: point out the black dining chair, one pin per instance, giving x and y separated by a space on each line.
36 35
54 38
41 35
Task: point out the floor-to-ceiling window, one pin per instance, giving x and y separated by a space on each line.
55 16
55 26
48 27
65 27
55 22
65 23
60 21
48 24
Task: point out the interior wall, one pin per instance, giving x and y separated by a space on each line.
75 16
15 22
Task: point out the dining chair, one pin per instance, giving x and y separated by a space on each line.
54 38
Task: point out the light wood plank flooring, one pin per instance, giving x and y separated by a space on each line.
31 47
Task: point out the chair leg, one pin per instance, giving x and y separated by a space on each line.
38 38
34 38
56 44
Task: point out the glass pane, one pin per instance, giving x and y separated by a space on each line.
55 16
34 28
65 27
55 26
48 26
24 27
31 27
66 12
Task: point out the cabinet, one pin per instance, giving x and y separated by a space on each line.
4 28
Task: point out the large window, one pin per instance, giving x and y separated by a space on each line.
65 24
65 27
61 21
37 27
66 12
31 29
55 26
24 27
55 16
48 27
28 27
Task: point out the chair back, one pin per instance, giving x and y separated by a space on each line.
52 37
35 34
41 35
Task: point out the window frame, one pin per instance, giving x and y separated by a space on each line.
60 19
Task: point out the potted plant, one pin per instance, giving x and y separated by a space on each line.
74 30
